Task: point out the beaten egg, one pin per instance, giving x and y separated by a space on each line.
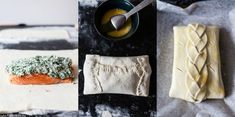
124 29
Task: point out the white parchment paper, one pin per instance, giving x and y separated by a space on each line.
215 12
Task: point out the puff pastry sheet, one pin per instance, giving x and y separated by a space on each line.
121 75
196 68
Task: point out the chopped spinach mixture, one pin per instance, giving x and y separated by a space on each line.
56 67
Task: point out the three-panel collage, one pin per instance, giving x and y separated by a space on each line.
78 58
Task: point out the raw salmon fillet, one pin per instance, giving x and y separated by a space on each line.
37 79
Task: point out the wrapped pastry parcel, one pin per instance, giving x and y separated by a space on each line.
196 69
122 75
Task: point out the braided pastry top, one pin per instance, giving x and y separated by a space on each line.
196 68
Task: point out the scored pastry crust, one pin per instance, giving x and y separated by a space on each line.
196 69
37 79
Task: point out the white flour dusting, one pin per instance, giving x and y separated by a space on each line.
92 3
107 111
84 114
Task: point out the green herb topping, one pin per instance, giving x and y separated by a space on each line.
56 67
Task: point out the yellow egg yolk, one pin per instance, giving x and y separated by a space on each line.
123 30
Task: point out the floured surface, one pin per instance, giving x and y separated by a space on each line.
14 98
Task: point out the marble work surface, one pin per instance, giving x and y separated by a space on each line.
143 42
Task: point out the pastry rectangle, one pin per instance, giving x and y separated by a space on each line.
121 75
196 68
34 34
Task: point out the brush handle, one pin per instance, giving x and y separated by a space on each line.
140 6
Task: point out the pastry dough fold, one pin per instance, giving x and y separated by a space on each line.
122 75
